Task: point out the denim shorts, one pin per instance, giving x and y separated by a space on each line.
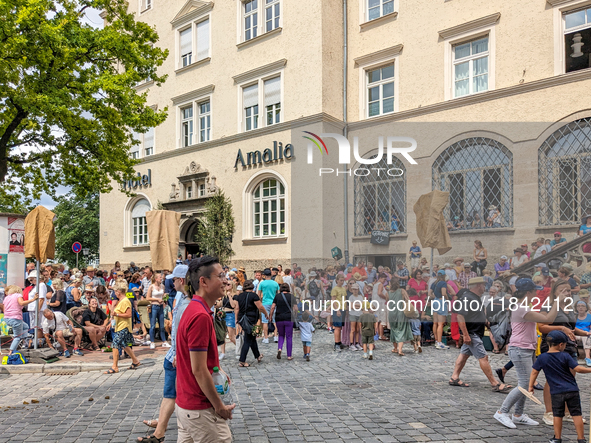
230 320
307 343
337 321
169 380
440 303
415 326
264 318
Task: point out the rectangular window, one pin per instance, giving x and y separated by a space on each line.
577 39
186 46
187 126
380 90
251 107
204 121
146 4
135 149
250 19
203 39
272 88
202 190
272 14
470 64
189 191
149 142
379 8
140 231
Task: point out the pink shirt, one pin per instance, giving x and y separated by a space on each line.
524 334
11 307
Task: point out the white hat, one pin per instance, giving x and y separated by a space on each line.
540 265
504 257
32 274
179 271
313 274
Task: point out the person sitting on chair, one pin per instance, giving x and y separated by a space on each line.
96 323
58 325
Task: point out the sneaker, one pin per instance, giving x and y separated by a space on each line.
152 345
307 357
343 346
265 340
588 361
165 345
444 346
221 357
67 353
337 348
359 347
570 418
420 349
352 347
279 354
556 440
78 352
276 339
147 342
525 420
538 387
365 355
370 355
504 419
548 418
439 346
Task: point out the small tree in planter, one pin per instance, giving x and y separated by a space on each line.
214 233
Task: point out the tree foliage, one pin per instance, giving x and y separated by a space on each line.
77 220
67 97
215 231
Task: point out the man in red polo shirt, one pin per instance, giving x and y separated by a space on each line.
201 414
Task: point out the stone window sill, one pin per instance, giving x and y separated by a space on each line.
259 38
136 248
383 18
264 241
193 65
483 231
363 238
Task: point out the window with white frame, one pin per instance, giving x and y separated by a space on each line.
577 39
269 209
251 13
471 66
272 88
250 102
189 46
138 222
202 190
149 142
186 46
135 149
259 17
187 126
379 8
145 5
272 14
204 121
380 90
189 191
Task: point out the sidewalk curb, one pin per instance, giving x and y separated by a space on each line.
49 368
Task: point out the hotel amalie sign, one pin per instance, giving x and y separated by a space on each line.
279 152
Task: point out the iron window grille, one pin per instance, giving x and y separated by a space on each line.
564 175
380 199
478 174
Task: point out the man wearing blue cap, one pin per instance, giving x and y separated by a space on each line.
558 368
182 300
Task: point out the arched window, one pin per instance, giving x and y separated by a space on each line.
478 174
564 176
138 222
268 209
380 197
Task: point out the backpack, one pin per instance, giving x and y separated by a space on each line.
220 329
14 359
313 289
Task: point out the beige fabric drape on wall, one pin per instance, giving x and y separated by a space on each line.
163 231
431 228
40 234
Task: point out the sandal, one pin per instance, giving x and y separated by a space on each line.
260 358
135 365
243 365
290 358
401 354
151 423
151 439
111 371
505 390
458 382
496 351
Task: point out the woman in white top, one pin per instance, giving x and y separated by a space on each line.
355 311
155 297
381 296
519 258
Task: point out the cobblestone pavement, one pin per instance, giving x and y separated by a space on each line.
336 397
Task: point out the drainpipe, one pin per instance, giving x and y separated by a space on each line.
345 128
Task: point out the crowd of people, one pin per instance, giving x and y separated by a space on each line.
524 316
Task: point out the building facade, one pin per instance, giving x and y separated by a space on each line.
493 97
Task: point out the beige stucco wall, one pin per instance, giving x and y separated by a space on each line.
524 38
